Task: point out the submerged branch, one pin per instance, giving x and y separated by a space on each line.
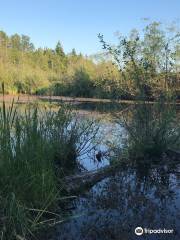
88 179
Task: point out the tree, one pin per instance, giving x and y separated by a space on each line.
73 52
26 44
59 50
153 44
82 84
15 41
3 39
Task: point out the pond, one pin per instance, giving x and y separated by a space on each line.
142 196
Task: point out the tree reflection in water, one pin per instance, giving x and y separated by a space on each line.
113 208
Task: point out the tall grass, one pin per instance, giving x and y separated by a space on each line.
28 180
37 149
152 129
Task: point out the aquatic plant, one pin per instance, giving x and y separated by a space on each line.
152 129
37 149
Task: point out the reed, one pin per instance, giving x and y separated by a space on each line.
37 149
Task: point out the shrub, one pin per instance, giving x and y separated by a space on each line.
152 129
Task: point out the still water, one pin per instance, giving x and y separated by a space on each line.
142 196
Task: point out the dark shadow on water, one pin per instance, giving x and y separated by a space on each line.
90 105
113 208
101 107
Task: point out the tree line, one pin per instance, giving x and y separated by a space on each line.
25 69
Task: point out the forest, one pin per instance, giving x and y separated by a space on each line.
44 71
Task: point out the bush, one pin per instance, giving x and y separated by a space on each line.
152 129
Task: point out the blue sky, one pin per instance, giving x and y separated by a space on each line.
76 23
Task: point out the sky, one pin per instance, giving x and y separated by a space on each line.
76 23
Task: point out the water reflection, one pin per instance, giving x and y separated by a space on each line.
143 195
105 138
140 196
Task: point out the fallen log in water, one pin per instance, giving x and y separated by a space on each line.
88 179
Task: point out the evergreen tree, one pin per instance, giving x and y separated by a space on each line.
59 50
73 52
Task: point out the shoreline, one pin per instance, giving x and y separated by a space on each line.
23 98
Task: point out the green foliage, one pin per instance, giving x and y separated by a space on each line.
38 148
59 50
26 169
152 129
148 64
82 84
25 69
